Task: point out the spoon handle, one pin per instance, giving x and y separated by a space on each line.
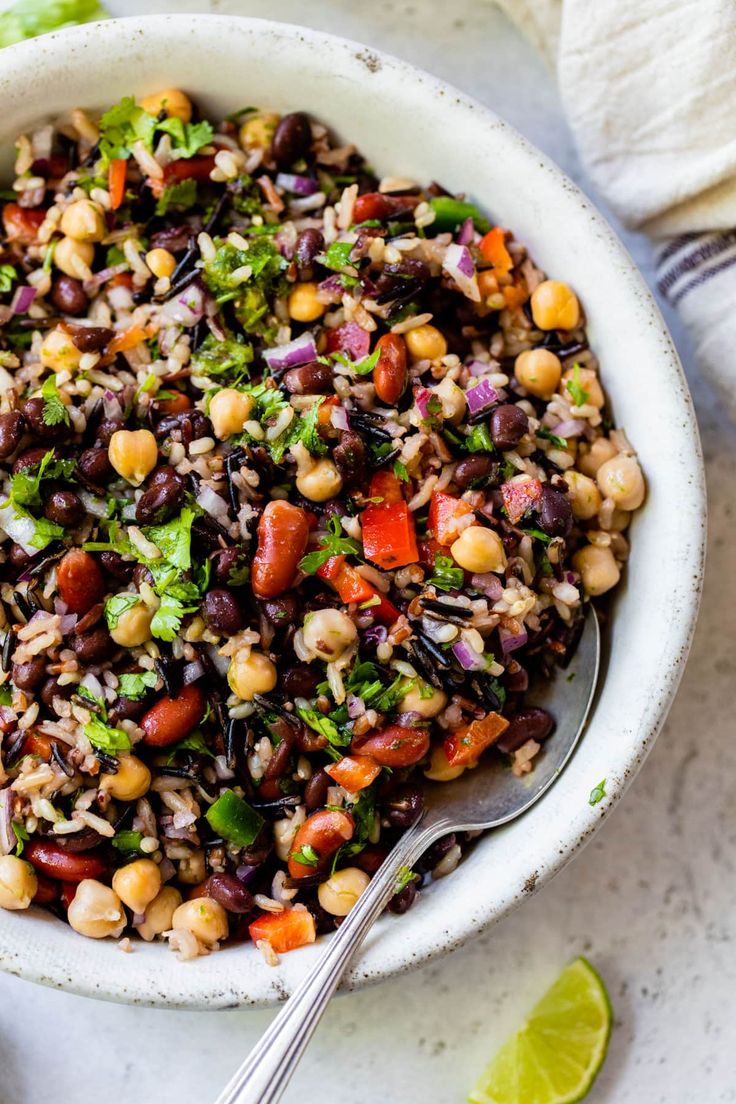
267 1070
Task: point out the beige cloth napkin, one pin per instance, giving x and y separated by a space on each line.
649 88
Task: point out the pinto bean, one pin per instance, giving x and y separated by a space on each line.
171 719
394 746
283 532
80 581
390 374
324 831
67 866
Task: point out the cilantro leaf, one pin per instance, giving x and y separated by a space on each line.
187 138
323 725
598 793
227 360
400 471
558 442
177 197
54 411
479 439
447 576
309 432
575 389
306 856
134 686
174 539
333 543
358 367
117 605
223 274
21 835
195 741
7 275
337 255
46 532
25 485
104 738
122 126
167 619
404 876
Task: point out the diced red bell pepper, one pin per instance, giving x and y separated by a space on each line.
389 538
493 249
385 485
350 339
445 512
467 744
354 772
520 497
37 743
116 182
284 930
350 586
376 205
189 168
385 612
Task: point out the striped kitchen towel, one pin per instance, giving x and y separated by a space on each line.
649 88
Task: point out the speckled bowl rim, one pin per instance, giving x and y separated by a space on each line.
559 223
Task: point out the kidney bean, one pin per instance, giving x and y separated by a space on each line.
325 832
89 339
46 890
283 532
351 459
377 205
279 762
159 503
18 557
229 892
94 646
222 612
555 512
370 858
309 379
119 568
79 580
474 470
291 139
105 430
31 458
171 719
516 678
51 689
282 612
68 295
403 806
532 723
12 428
300 681
94 467
27 676
64 508
308 244
509 423
394 746
390 374
33 412
227 561
55 862
68 893
22 223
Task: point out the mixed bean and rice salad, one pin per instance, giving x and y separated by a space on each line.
303 473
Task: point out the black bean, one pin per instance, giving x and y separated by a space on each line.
31 458
94 466
94 646
192 424
291 140
280 761
222 612
309 379
402 902
33 410
114 563
64 508
309 244
68 295
532 723
437 851
142 574
404 806
555 512
159 503
300 681
80 841
282 611
12 428
474 470
315 791
165 474
105 430
230 892
351 459
27 676
18 557
90 339
226 563
126 709
509 423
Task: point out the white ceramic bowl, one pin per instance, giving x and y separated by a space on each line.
407 122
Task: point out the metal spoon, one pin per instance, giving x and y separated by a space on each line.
482 798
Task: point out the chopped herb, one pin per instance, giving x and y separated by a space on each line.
558 442
99 703
187 138
324 726
177 197
598 793
234 116
115 256
337 256
21 835
224 275
117 605
167 619
234 819
538 535
7 275
127 123
134 686
571 676
54 411
358 367
195 741
104 738
333 544
46 532
127 842
174 539
306 855
29 18
479 439
404 876
227 361
575 389
447 576
400 471
25 485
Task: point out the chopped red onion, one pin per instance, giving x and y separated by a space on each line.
301 350
24 296
188 306
421 398
339 417
489 583
478 367
410 719
468 658
212 503
166 869
356 706
570 428
332 286
466 232
458 264
111 406
298 185
481 396
103 276
511 641
192 671
246 872
68 623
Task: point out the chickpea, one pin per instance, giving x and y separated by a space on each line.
584 495
304 306
538 371
204 918
588 380
555 306
257 132
74 258
161 262
134 626
328 633
620 479
192 868
452 399
320 482
229 411
439 770
58 352
601 450
96 910
425 343
251 673
340 893
479 550
423 699
597 568
159 913
83 221
131 780
137 883
18 883
173 101
133 453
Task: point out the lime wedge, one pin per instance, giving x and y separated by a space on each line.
555 1057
